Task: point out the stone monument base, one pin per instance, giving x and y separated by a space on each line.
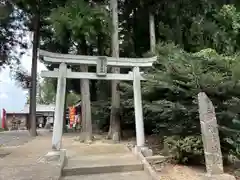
144 150
218 177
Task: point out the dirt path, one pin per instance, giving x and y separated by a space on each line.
179 172
22 162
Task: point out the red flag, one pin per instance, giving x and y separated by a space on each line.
3 118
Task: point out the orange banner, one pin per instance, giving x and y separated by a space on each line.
72 113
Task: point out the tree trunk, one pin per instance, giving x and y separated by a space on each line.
86 133
114 129
179 32
134 29
33 90
86 107
152 32
103 85
93 90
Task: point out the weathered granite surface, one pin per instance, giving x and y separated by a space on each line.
210 135
211 141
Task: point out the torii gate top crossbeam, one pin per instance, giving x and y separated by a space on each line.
57 58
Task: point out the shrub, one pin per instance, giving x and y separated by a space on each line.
186 149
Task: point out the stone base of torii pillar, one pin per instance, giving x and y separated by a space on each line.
55 157
144 150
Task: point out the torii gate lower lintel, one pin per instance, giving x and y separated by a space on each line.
102 62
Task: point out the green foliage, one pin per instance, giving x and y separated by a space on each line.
11 35
196 25
22 77
170 99
186 149
231 136
72 98
173 86
202 34
82 18
228 20
101 114
46 91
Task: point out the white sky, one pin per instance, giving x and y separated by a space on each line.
12 97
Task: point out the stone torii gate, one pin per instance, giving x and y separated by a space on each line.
101 62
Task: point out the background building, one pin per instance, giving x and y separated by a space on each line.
19 120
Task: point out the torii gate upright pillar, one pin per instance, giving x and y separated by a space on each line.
138 108
59 111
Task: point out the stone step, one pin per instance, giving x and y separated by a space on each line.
102 164
136 175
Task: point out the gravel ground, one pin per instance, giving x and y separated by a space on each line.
17 138
180 172
22 162
14 138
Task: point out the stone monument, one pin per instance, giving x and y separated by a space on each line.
211 141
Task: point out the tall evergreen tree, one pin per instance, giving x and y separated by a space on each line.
115 129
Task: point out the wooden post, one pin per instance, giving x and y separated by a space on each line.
59 110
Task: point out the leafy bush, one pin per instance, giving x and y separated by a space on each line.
186 149
101 114
171 92
170 98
